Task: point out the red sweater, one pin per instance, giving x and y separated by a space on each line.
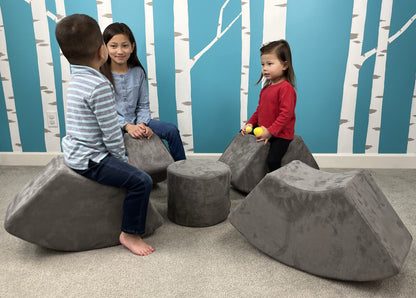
276 110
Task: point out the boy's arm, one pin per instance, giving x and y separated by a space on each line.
104 107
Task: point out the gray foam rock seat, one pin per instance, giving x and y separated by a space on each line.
198 192
149 155
62 210
247 159
298 150
339 226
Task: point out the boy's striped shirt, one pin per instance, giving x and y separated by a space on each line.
92 129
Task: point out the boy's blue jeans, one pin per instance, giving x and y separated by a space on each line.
114 172
170 133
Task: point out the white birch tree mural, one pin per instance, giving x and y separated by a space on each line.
105 14
411 140
245 59
46 74
65 68
184 64
274 20
354 63
6 80
150 56
377 91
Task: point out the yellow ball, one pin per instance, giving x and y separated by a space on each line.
248 129
258 131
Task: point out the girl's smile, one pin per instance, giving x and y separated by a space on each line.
119 49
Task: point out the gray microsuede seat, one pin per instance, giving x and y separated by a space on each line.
198 192
247 159
62 210
338 226
298 150
149 155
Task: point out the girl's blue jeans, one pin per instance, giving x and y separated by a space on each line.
170 133
114 172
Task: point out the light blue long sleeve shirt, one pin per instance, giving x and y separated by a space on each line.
92 130
132 97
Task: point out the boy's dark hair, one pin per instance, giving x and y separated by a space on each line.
79 38
282 51
109 32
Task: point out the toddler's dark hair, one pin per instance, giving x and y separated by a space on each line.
282 51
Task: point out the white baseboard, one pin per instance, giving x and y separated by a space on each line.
26 158
348 161
351 161
366 161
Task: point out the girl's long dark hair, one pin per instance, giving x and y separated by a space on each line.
109 32
281 49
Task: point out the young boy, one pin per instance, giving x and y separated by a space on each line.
93 145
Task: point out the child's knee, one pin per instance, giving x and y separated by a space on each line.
172 129
147 180
142 180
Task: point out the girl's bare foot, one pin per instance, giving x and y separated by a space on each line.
136 244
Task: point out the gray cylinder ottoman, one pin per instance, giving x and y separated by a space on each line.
198 192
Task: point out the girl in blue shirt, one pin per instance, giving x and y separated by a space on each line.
128 76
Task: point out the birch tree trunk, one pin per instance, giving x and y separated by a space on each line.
354 63
182 72
150 55
65 68
411 141
377 92
245 59
184 64
274 20
46 74
6 80
105 14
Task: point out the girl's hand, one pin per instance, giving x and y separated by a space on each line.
148 132
135 131
243 130
264 136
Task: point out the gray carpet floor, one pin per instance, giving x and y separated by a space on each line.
215 261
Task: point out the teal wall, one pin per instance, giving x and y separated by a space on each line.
319 35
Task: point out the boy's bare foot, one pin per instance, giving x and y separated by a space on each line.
136 244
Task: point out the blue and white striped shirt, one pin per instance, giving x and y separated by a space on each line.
92 128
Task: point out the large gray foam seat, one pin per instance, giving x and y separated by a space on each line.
247 159
62 210
198 192
149 155
339 226
298 150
